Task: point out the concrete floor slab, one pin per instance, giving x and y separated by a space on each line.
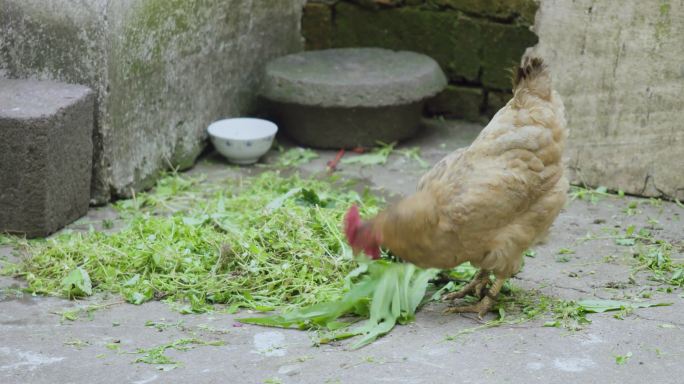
38 347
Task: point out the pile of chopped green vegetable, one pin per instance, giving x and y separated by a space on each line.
262 243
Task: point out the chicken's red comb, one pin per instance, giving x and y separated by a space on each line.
351 223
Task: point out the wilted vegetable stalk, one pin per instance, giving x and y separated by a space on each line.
385 292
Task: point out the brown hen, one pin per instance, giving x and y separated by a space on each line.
487 203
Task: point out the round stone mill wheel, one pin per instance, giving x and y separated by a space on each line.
344 98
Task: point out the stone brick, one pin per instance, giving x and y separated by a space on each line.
502 47
524 10
457 102
452 40
45 155
467 48
317 26
495 101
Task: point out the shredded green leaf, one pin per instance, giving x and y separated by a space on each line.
267 242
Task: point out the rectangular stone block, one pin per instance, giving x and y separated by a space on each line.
495 101
317 26
502 47
163 70
457 102
45 155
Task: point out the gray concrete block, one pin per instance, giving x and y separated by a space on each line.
162 70
457 102
45 155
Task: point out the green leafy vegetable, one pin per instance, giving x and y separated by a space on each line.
387 293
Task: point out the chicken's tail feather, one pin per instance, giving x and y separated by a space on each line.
532 77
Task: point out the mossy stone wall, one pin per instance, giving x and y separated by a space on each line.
475 42
162 69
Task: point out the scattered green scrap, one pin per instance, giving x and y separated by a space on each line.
517 306
591 195
294 157
162 325
77 343
572 314
113 346
632 208
413 153
157 355
6 240
377 156
623 359
73 314
380 154
654 255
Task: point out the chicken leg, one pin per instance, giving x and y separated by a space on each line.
477 286
485 304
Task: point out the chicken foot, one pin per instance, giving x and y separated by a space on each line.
477 286
484 305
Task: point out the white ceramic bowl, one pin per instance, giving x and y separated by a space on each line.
242 140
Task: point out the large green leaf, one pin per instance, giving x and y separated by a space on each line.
386 293
600 306
77 283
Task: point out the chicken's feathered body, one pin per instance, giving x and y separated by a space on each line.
488 203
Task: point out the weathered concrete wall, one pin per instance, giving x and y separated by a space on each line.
163 70
619 66
476 42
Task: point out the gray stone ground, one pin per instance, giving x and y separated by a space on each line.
36 347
